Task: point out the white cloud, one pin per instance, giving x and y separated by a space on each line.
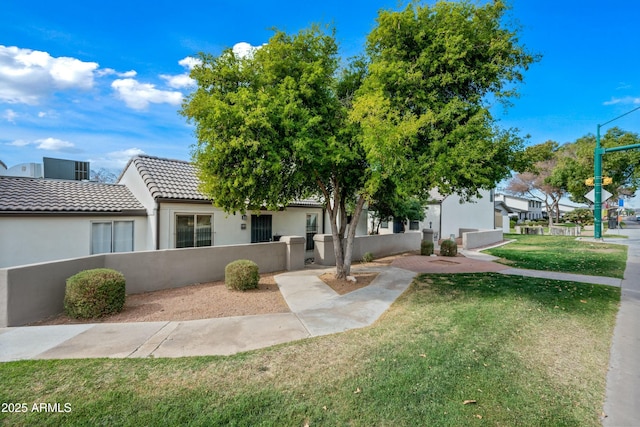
178 82
42 114
28 75
10 116
19 143
116 160
112 72
49 144
70 72
244 50
190 62
183 80
54 144
139 95
626 100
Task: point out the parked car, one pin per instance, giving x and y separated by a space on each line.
637 217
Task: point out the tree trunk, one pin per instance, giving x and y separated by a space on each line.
351 234
344 250
337 239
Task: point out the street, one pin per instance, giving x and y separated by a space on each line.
631 222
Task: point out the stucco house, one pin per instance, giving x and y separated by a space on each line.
446 215
45 219
155 205
179 215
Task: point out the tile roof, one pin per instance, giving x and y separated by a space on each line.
178 180
38 195
169 179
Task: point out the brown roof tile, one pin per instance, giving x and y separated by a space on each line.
48 195
177 179
169 179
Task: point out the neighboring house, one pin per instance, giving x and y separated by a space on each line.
446 215
181 216
523 208
502 213
44 220
502 209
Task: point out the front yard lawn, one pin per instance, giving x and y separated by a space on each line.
465 349
563 254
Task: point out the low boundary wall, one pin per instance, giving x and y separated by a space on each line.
478 239
31 293
379 245
564 231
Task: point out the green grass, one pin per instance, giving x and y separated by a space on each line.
564 254
530 352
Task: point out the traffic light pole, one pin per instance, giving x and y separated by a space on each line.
597 175
597 181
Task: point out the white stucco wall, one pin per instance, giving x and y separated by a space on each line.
432 216
133 181
28 240
450 215
478 214
227 228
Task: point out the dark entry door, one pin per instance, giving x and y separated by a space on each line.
398 226
260 228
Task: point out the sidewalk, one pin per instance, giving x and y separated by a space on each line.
315 310
622 404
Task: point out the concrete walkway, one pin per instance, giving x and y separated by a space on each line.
315 310
622 404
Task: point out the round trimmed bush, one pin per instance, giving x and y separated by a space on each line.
94 293
367 257
241 275
448 248
426 248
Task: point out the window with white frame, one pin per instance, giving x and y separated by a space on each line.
193 230
111 236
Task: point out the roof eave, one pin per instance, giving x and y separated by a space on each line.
50 213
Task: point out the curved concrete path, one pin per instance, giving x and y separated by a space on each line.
315 310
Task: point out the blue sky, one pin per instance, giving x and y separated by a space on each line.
104 81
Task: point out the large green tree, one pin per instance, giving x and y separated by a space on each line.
285 122
575 164
423 108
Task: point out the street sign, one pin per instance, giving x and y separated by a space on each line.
621 203
591 195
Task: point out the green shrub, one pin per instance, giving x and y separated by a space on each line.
241 275
426 248
94 293
582 216
367 257
448 248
